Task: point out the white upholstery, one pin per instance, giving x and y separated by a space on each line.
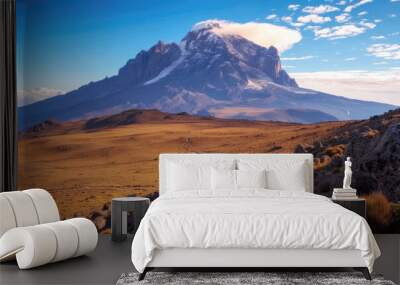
23 209
87 235
66 236
46 207
265 160
32 246
7 219
31 230
255 257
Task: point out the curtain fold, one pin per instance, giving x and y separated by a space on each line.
8 97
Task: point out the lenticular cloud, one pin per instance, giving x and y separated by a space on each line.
263 34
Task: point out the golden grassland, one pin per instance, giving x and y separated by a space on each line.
85 169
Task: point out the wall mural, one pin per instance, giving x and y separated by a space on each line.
105 86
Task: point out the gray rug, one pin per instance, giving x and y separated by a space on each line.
269 278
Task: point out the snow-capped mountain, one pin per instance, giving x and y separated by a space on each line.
212 71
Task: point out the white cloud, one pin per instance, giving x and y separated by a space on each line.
287 19
271 17
293 7
350 8
380 63
297 58
343 18
339 32
379 86
377 37
392 15
341 3
377 20
363 13
263 34
321 9
367 24
297 24
350 59
26 97
313 18
394 0
312 28
386 51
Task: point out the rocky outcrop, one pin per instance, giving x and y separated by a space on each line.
374 146
284 79
101 218
148 64
380 161
125 118
43 126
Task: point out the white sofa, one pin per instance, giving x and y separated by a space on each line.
31 230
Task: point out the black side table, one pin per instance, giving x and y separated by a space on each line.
119 215
357 205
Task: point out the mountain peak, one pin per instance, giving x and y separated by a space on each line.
273 51
262 34
159 47
221 68
208 24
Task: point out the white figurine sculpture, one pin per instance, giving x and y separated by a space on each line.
347 174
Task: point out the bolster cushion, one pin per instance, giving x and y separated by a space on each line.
7 218
26 208
40 244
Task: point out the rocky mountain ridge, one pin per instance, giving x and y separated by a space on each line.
225 76
374 146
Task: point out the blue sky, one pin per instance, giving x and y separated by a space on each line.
62 44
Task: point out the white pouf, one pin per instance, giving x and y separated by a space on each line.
31 232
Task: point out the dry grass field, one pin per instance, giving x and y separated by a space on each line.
84 168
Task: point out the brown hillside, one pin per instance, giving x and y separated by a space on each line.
85 164
84 168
